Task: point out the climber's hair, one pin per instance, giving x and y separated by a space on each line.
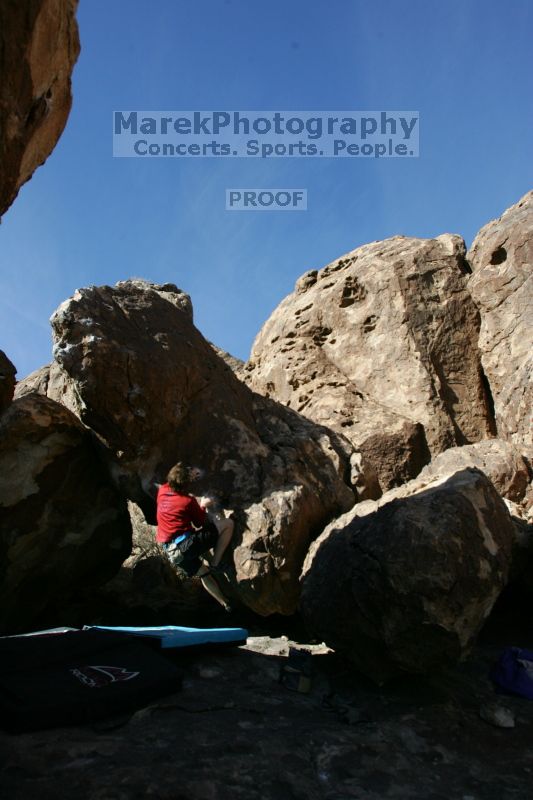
178 476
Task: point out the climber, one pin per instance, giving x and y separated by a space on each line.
187 530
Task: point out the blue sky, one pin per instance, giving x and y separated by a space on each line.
88 218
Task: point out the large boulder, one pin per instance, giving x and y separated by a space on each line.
63 525
394 458
7 381
39 46
301 484
384 337
501 257
406 583
501 461
132 366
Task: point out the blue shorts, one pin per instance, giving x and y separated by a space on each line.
186 551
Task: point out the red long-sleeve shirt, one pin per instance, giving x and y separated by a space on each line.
176 513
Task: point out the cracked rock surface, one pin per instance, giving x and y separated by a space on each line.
376 343
501 257
39 46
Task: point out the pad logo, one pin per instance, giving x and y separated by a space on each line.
96 677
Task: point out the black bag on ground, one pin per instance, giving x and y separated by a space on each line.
77 677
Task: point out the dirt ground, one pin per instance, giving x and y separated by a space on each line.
234 731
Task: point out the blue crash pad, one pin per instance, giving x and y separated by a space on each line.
172 636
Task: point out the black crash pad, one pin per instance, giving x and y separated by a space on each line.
78 677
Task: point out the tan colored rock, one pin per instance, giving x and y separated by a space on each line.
407 583
36 381
7 381
395 457
383 337
39 46
501 285
168 291
501 462
510 474
50 381
63 526
130 363
236 364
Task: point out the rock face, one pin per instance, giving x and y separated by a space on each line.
501 462
395 457
235 364
409 583
130 363
7 381
383 337
39 46
63 526
502 287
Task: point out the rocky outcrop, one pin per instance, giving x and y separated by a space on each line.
406 583
36 381
39 46
50 381
300 486
63 526
395 458
381 338
7 381
501 462
132 366
235 364
501 257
